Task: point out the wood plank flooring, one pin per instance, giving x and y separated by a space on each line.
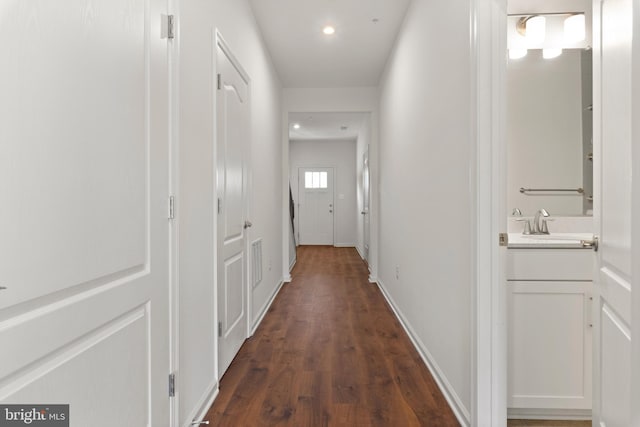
329 353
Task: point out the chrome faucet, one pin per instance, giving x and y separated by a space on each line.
540 223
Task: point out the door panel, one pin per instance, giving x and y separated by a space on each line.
84 243
316 206
612 215
233 119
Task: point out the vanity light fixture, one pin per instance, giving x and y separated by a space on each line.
551 53
329 30
517 53
574 28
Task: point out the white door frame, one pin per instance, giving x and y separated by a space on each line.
488 310
489 368
297 204
635 217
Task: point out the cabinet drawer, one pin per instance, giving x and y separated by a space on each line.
550 264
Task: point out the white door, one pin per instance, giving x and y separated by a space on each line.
365 204
233 119
612 215
84 230
316 206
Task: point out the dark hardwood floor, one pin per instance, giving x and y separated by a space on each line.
329 353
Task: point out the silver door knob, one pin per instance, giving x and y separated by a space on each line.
247 224
363 213
330 210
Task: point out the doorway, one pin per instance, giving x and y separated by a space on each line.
315 206
612 303
327 147
366 223
232 145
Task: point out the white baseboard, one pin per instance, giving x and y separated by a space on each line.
549 414
204 404
292 264
265 308
360 252
344 245
459 410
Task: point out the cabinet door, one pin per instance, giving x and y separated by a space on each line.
549 345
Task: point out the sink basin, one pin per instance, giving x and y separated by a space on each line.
545 241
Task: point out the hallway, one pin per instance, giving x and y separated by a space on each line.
329 352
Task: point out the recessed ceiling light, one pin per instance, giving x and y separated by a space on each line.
329 30
296 125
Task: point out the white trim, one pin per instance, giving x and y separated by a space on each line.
360 252
488 328
173 8
265 308
550 414
204 404
291 265
346 245
635 213
461 413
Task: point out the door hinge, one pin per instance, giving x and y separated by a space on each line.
172 207
503 239
172 385
168 27
219 205
219 329
171 27
219 81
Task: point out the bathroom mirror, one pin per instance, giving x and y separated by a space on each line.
549 133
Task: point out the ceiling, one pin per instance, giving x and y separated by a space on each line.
354 56
325 126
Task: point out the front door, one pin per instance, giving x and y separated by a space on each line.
233 123
316 206
612 172
84 228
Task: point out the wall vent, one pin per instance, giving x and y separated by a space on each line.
256 262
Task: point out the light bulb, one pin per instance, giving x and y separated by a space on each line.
536 27
574 28
517 53
550 53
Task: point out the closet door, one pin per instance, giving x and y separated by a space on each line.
83 228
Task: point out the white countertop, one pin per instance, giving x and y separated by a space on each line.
548 241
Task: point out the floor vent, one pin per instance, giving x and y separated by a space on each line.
256 262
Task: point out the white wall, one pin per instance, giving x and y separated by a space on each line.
362 144
544 132
198 20
426 264
341 156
